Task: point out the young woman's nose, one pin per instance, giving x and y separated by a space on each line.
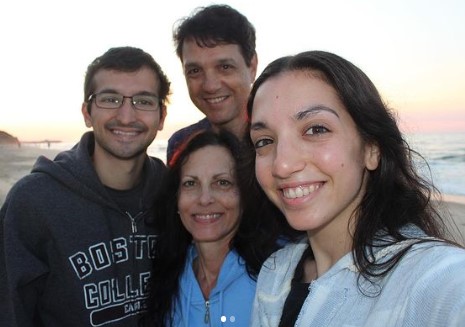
287 159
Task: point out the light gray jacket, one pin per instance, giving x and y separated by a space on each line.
426 288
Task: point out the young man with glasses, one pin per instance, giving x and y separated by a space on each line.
216 46
75 245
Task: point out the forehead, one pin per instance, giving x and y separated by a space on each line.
143 79
293 91
217 158
193 54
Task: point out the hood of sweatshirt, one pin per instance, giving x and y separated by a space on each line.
74 169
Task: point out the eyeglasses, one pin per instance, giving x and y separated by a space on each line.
141 102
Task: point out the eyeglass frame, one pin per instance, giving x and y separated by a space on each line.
93 96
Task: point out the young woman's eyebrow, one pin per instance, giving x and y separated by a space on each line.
257 126
313 111
298 116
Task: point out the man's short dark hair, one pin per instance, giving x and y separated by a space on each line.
216 24
126 59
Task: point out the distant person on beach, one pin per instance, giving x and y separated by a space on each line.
213 239
75 247
216 46
330 155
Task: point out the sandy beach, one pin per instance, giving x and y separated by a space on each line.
16 162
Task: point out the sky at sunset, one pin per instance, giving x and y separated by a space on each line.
413 50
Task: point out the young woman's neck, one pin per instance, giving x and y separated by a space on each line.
330 244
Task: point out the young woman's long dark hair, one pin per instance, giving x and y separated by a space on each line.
396 195
261 225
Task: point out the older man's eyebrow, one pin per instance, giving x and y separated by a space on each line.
313 111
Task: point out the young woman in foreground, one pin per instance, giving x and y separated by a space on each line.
330 155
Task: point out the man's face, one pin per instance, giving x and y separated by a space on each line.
124 133
218 81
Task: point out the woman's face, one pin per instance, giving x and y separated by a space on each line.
208 199
310 159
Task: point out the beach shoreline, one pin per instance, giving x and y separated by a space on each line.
16 162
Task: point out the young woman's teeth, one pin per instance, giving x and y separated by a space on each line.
298 192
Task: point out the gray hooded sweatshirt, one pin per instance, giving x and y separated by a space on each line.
69 256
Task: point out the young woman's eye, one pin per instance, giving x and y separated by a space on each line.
317 129
262 142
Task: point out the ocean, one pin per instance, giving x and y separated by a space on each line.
445 155
444 152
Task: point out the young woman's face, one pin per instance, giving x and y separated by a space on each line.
208 200
310 159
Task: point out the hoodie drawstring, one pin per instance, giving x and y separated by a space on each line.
133 221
